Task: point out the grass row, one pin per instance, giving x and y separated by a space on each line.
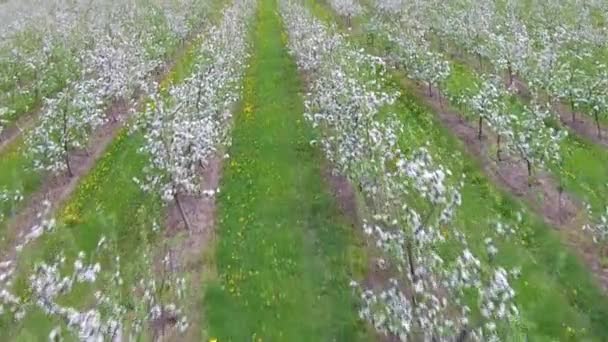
284 253
557 297
16 174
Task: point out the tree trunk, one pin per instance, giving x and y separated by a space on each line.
65 142
498 147
560 190
182 212
480 62
36 87
479 135
510 70
529 165
597 125
572 109
412 269
198 96
430 90
462 337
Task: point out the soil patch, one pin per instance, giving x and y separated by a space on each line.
583 125
344 194
188 252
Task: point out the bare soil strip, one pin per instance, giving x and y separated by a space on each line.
583 125
563 212
190 251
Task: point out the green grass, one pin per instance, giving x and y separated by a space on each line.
16 173
106 203
26 95
557 296
284 254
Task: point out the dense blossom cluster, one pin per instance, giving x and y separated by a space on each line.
113 315
184 128
555 54
347 8
412 197
53 43
412 32
118 59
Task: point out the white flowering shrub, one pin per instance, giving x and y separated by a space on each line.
152 301
184 128
535 142
65 125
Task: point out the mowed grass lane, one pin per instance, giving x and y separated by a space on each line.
284 254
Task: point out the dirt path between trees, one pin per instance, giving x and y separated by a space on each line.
188 251
583 125
567 214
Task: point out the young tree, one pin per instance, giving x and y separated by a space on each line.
347 9
431 68
66 124
510 46
536 143
173 169
595 96
489 104
566 86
